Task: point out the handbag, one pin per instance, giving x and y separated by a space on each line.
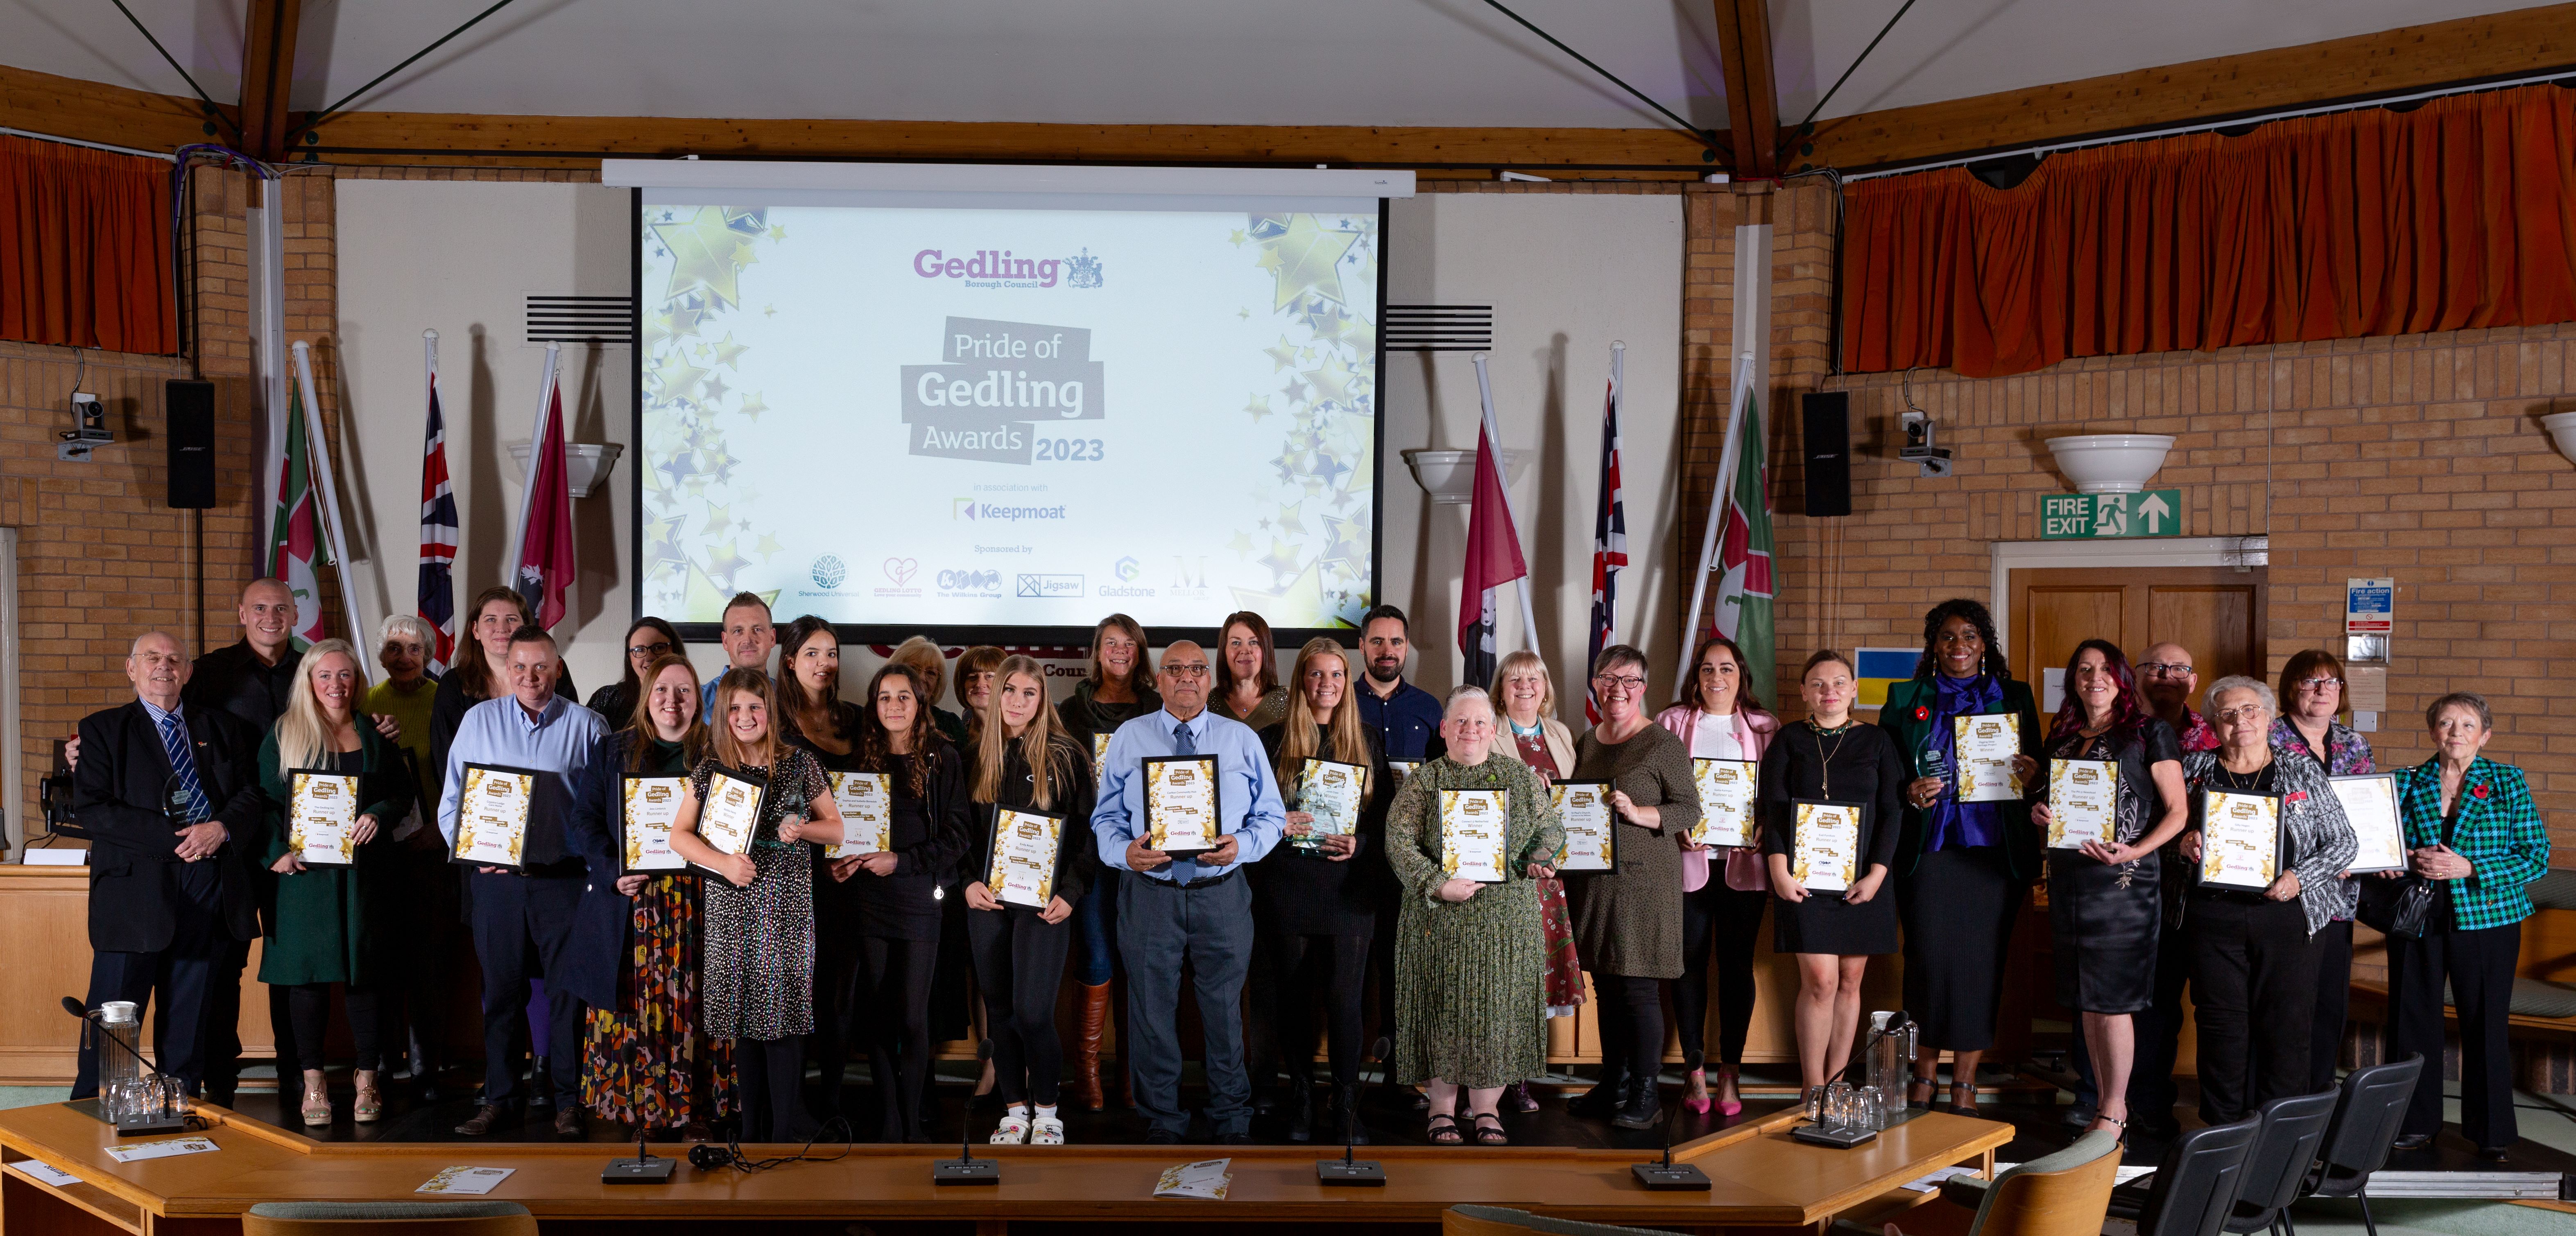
2400 908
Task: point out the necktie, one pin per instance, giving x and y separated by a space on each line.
183 765
1184 870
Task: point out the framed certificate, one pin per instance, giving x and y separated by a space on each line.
1330 791
2240 839
1725 801
1401 769
652 805
866 801
1471 835
731 813
1583 807
1984 746
2370 802
1024 850
322 818
1182 804
1824 849
1100 757
2083 802
492 815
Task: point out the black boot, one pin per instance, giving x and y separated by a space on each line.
1346 1115
1644 1107
1301 1111
1604 1099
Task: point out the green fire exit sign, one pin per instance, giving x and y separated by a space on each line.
2103 517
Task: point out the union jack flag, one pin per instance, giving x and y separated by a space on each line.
437 533
1609 540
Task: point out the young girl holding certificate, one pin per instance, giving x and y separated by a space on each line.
812 715
2104 907
1026 770
1852 768
759 936
1315 896
647 1060
899 905
322 930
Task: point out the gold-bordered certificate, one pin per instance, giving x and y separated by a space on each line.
1471 834
1401 769
1583 807
1824 850
1329 790
322 821
1024 854
1983 747
2240 839
652 805
2083 802
492 815
866 800
1725 801
2370 802
1182 804
1100 757
731 813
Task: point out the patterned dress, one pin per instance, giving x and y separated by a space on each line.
1564 966
760 939
648 1063
1469 1006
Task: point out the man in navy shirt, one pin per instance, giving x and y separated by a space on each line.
1406 717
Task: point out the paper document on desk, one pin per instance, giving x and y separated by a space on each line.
1932 1183
1205 1180
475 1180
48 1173
140 1151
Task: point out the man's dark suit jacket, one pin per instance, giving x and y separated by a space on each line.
118 793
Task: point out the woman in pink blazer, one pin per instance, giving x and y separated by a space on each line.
1718 718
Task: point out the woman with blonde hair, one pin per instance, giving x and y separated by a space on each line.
1026 763
758 949
929 667
1313 905
327 924
1525 694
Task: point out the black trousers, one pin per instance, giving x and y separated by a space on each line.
2334 991
182 976
1724 921
308 1005
1019 966
411 999
221 1049
2479 966
836 1018
1631 1016
2253 991
893 1006
519 919
771 1072
1308 971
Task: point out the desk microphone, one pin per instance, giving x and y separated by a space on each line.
132 1124
966 1169
1669 1176
1347 1172
643 1168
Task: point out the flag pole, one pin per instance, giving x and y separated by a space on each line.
1493 435
1618 388
329 507
528 481
1742 388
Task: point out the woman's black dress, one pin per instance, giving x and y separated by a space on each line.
1858 763
2104 919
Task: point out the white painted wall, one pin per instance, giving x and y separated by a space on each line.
459 257
1566 273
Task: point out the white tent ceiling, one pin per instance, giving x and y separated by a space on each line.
1313 62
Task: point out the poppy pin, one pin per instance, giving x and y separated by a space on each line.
1922 713
2296 796
2479 790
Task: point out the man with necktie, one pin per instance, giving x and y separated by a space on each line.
1195 910
171 802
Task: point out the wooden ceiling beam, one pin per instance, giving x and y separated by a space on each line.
268 72
1752 88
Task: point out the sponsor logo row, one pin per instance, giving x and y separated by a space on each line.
904 578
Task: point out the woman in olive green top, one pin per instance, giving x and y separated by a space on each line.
1470 1012
323 929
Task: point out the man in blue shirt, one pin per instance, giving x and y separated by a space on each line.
530 909
747 635
1406 717
1193 910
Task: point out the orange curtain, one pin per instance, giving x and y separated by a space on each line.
2457 215
85 248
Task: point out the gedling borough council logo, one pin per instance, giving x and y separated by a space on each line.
828 572
1082 270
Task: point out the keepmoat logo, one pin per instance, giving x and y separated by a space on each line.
1002 512
995 382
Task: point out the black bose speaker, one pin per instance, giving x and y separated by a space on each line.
192 442
1828 447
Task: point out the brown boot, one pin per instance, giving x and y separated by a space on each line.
1084 1085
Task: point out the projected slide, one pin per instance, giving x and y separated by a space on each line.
967 417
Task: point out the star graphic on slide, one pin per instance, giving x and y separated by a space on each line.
1333 378
1259 408
718 519
724 562
678 466
1308 260
661 539
1298 603
729 353
715 389
1282 558
752 406
674 378
778 231
1241 545
769 547
1235 238
1282 355
705 253
1293 519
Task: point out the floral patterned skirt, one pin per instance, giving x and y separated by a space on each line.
1564 969
651 1065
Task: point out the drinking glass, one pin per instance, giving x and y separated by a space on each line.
1867 1113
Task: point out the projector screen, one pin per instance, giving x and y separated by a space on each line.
989 417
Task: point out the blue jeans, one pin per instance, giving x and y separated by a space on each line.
1096 917
1209 929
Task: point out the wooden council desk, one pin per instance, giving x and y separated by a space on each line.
1762 1180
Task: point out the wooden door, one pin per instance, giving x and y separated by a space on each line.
2214 612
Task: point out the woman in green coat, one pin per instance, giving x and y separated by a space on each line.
320 931
1470 1006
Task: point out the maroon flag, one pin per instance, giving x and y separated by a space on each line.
545 569
1493 562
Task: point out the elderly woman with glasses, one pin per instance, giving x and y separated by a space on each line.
2311 695
1628 920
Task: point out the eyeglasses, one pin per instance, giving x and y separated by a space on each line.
2244 715
2319 684
654 649
2165 669
1186 671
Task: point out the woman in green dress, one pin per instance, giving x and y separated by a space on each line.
1470 1008
322 929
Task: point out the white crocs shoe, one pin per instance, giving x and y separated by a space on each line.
1014 1128
1046 1131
